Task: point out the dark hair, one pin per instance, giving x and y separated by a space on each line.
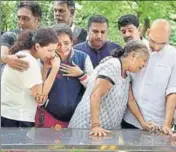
70 4
33 6
27 39
97 19
133 45
63 28
127 20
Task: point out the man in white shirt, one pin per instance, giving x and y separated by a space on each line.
154 87
129 29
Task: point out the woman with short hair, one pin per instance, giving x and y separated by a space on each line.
105 100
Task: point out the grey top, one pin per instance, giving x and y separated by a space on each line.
113 104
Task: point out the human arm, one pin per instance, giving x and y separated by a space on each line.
170 101
14 61
135 110
84 79
170 109
102 86
40 92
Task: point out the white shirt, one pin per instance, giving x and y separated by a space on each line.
152 84
17 102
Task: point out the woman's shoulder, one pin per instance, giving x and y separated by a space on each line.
111 60
26 56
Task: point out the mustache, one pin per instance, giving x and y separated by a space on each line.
128 38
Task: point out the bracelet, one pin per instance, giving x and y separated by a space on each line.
81 75
95 125
84 77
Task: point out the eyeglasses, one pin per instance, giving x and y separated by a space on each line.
156 43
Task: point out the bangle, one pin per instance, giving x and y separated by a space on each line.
81 75
95 125
84 77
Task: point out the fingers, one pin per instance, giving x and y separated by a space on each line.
64 70
98 131
19 65
40 99
166 130
66 67
152 127
69 75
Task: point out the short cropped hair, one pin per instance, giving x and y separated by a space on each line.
70 4
127 20
33 6
97 19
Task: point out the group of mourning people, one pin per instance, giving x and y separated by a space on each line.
66 76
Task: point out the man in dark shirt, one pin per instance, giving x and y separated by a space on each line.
64 13
97 46
28 15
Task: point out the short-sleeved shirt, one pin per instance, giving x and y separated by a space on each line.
152 84
17 102
8 38
112 105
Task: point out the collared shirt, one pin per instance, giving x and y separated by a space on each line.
152 84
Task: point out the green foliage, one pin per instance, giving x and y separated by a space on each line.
150 10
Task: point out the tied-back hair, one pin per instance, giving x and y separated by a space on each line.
132 46
24 42
27 39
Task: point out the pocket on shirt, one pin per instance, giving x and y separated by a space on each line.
161 75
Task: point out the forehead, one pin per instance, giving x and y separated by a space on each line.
63 37
158 36
24 12
51 46
60 5
99 26
129 26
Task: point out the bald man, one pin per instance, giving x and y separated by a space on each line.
154 87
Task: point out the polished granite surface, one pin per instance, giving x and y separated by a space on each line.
77 140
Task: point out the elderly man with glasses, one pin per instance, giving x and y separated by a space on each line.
154 87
